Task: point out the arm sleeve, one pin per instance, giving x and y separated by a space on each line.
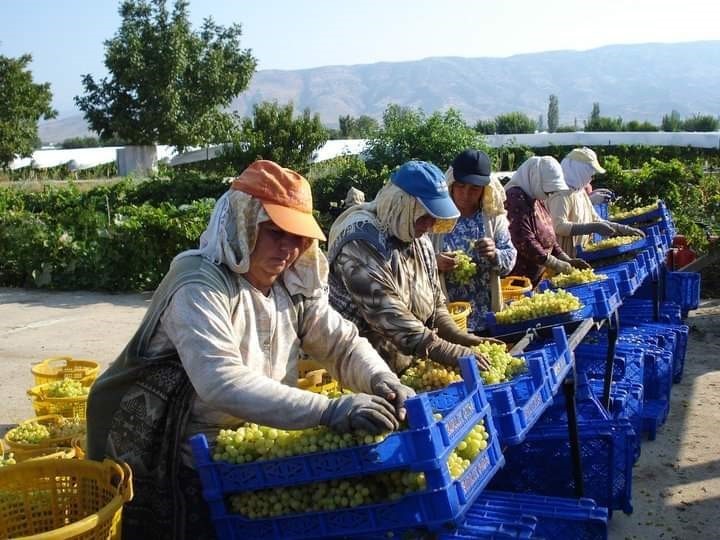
198 323
522 229
335 342
506 252
373 290
560 208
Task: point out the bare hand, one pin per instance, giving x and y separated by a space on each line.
446 261
482 361
485 247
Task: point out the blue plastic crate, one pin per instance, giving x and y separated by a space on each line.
680 332
587 407
598 254
654 415
658 373
625 276
602 210
495 329
493 524
683 288
423 448
557 517
541 464
557 354
602 295
516 405
626 402
628 362
637 310
659 212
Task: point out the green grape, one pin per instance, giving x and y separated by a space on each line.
576 277
66 428
607 243
634 212
538 305
467 450
65 388
425 375
7 459
29 433
464 269
503 366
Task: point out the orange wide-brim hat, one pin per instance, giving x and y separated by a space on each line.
285 195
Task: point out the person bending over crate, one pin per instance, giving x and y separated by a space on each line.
219 345
574 218
481 231
531 227
383 273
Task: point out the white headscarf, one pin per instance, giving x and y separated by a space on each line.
493 198
393 211
230 238
577 174
537 176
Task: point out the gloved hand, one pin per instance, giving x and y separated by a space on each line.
579 263
601 196
625 230
603 228
556 265
445 261
388 386
449 330
351 412
447 354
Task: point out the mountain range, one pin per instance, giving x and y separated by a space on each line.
636 82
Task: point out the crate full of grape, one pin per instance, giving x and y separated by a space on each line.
644 214
66 397
596 290
628 276
610 247
518 389
548 308
428 474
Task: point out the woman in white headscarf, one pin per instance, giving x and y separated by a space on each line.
219 346
531 226
383 273
574 218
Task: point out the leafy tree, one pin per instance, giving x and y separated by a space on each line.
634 125
540 123
362 127
565 129
273 133
486 127
553 114
700 122
409 134
22 104
672 122
167 81
514 122
602 123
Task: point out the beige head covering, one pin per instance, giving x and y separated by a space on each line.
230 238
493 199
354 196
538 176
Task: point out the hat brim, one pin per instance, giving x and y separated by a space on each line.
597 168
294 221
443 208
472 179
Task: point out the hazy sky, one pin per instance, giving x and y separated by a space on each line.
65 37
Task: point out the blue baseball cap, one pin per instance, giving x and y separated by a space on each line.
426 183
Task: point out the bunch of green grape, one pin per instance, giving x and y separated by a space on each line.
464 269
7 459
538 305
635 211
66 428
425 375
65 388
503 366
615 241
576 277
29 433
252 442
467 450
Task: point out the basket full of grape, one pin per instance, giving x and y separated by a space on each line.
548 308
66 397
610 247
265 482
596 290
49 432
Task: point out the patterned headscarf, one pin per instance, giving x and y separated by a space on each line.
230 238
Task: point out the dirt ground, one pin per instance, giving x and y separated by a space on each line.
676 483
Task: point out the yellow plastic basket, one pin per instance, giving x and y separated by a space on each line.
514 287
69 407
63 499
65 367
318 381
306 365
460 311
24 451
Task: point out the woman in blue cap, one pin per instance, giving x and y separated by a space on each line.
481 231
383 272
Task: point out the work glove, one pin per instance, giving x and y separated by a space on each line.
625 230
449 331
352 412
386 385
447 354
558 266
601 196
603 228
579 263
